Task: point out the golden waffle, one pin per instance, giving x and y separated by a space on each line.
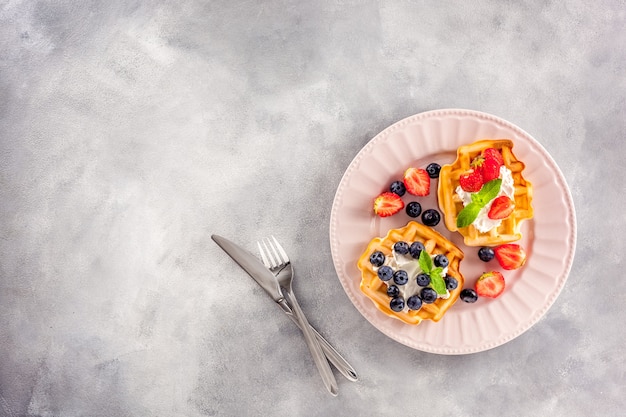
450 203
434 243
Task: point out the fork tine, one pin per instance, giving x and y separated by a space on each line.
266 261
280 249
274 253
273 263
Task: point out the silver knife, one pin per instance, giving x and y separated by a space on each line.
262 276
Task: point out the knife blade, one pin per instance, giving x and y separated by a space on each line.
255 268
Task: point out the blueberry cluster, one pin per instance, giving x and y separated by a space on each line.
430 217
398 278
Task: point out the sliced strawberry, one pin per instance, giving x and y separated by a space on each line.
510 256
388 204
501 208
492 153
417 181
490 284
471 181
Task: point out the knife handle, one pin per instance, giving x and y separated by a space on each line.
316 350
331 353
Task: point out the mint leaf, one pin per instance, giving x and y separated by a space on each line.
437 282
468 215
436 279
476 198
488 192
426 264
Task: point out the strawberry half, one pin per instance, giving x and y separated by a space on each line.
510 256
490 284
388 204
501 208
471 181
417 181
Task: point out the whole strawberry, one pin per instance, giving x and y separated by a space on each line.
492 161
471 181
493 154
490 169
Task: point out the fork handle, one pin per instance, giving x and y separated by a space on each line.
331 353
316 350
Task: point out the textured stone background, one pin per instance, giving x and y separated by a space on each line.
131 130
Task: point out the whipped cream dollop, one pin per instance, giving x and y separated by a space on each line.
411 266
483 223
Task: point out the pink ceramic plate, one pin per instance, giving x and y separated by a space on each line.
549 238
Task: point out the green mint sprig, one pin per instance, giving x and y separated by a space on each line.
435 273
488 192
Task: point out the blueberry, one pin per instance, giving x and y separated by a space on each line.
397 187
414 302
431 217
433 170
401 247
441 260
413 209
486 254
428 295
451 282
415 249
393 291
469 295
385 273
423 279
377 258
397 304
400 277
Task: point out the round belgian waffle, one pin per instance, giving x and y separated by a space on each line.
450 203
434 243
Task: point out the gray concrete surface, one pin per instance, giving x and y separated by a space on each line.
130 131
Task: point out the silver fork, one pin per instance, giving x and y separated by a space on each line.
331 353
276 259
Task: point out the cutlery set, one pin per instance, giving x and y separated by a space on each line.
274 273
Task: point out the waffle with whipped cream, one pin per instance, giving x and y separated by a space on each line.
451 204
434 243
